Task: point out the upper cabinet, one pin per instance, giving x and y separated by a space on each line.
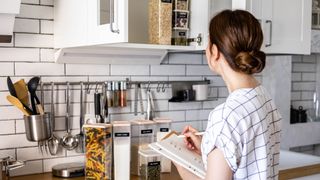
117 31
286 24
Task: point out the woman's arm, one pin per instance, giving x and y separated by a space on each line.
217 167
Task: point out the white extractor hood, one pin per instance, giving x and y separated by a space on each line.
8 11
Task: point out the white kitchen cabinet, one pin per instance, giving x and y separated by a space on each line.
286 24
88 31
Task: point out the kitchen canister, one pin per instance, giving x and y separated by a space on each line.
163 127
149 165
38 127
142 135
98 151
121 149
201 91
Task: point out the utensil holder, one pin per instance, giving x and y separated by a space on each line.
38 127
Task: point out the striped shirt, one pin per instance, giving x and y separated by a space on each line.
246 128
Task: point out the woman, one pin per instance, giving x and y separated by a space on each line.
242 138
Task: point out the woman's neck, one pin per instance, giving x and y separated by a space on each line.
237 80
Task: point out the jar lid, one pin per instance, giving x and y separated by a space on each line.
115 85
162 120
148 153
142 121
123 85
121 123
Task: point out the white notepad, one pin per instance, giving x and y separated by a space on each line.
174 149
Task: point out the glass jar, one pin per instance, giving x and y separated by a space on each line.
150 164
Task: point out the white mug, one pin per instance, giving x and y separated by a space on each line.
201 91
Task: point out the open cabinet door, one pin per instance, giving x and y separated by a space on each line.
199 21
107 21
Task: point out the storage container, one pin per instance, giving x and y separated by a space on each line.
181 20
98 151
181 5
150 164
143 133
38 127
121 149
163 127
179 38
160 21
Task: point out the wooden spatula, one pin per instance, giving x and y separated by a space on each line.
17 103
22 91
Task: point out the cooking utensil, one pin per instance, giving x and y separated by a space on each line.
22 91
97 107
150 106
53 142
140 98
32 87
80 137
14 94
135 105
68 141
16 102
68 170
6 165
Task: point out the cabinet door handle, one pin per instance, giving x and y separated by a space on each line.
112 9
270 38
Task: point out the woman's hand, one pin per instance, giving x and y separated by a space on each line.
192 141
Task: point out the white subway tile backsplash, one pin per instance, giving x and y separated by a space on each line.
47 55
15 141
303 67
185 58
309 59
297 58
213 104
10 112
129 70
296 77
185 106
180 125
35 11
33 153
296 86
20 128
7 127
8 152
199 70
307 95
168 70
149 78
223 92
304 104
86 69
19 54
6 69
175 116
46 27
197 115
32 69
216 81
308 76
295 96
30 167
26 25
3 98
34 40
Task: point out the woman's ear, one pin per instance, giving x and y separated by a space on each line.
213 56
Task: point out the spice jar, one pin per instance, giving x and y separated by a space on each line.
150 165
121 149
109 94
163 127
181 20
179 38
123 94
116 93
160 21
142 135
181 5
98 143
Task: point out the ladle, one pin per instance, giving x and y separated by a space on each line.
69 141
53 142
32 87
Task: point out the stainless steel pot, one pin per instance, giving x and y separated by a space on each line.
6 165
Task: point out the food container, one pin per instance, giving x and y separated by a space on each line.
142 135
160 21
163 127
98 151
150 164
179 38
6 165
121 149
181 5
38 127
181 20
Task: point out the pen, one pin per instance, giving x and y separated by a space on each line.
198 134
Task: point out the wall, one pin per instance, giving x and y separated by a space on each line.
31 53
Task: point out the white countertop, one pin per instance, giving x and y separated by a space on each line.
289 160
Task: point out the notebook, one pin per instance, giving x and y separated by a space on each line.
174 149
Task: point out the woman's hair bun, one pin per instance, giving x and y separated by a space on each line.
250 62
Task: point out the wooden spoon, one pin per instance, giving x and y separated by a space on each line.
16 102
22 91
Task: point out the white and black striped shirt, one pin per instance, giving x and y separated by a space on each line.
246 128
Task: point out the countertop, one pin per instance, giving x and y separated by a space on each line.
292 165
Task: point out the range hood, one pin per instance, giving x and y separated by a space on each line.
8 11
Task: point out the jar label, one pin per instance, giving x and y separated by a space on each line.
164 129
122 134
166 1
156 163
146 131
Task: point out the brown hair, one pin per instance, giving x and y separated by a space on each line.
238 36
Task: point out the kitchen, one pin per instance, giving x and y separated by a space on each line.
46 32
